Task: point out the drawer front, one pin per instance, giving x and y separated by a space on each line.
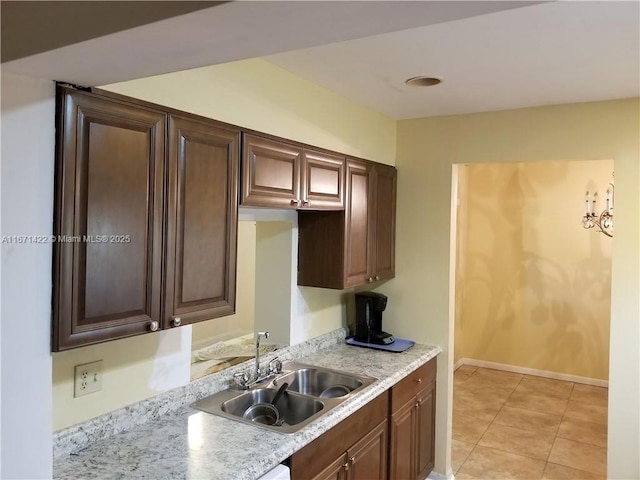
322 452
412 384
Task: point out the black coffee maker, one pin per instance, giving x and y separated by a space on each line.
369 308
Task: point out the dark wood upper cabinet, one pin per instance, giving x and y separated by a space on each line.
270 173
145 218
356 246
322 180
202 220
108 219
281 175
359 224
385 179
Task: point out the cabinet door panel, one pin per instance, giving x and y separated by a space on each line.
357 229
335 471
368 458
426 432
109 181
323 181
270 173
385 224
402 464
202 220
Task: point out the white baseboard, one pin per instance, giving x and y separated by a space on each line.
531 371
439 476
459 363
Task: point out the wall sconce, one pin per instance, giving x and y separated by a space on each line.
604 221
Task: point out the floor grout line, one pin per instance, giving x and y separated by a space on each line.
555 432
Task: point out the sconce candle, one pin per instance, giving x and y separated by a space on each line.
586 203
604 221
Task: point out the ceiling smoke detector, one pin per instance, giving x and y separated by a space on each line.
422 81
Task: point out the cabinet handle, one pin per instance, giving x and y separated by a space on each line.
154 326
346 466
295 203
306 203
370 279
419 380
352 460
377 277
176 321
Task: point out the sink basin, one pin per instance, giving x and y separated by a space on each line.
321 383
293 408
312 392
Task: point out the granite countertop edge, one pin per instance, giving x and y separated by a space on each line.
173 409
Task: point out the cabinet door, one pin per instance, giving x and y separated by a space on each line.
425 436
322 181
367 459
337 470
358 221
402 454
202 218
109 196
270 173
385 181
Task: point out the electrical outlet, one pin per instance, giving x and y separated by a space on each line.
88 378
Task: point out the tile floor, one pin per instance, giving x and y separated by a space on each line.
512 426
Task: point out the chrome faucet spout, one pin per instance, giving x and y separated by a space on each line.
257 365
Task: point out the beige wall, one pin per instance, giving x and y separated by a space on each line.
536 288
252 94
419 305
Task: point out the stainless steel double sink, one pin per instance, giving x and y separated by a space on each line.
312 392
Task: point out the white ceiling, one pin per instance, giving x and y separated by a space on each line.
551 53
234 31
491 55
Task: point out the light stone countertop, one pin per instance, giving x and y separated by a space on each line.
185 443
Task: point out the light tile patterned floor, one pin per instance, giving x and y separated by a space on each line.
512 426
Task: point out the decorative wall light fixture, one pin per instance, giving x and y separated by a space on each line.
604 221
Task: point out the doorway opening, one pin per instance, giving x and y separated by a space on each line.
531 321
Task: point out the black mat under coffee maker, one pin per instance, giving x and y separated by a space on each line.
369 308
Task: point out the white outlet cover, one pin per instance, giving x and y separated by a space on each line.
87 378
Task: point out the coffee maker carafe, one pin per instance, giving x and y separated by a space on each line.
369 308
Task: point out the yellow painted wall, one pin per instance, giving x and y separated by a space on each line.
536 288
259 95
420 306
253 94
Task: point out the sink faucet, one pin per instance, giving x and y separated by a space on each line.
244 381
257 366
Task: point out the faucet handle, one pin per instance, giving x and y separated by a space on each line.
241 380
275 366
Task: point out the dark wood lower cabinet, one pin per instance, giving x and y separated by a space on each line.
412 425
366 460
392 437
356 448
402 431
